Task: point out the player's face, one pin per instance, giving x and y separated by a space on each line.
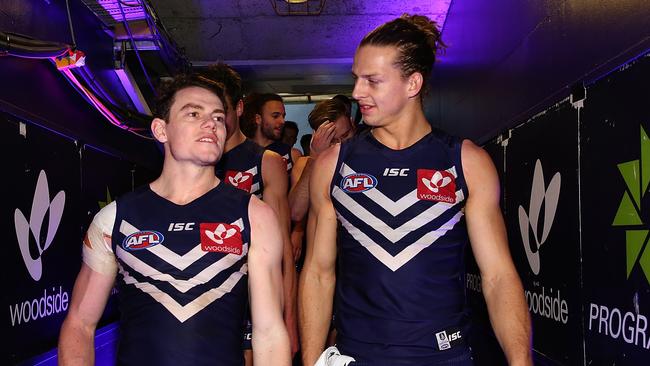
343 129
196 130
379 87
232 118
289 136
273 114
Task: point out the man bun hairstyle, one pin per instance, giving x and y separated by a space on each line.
417 39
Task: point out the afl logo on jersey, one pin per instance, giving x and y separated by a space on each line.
142 240
358 182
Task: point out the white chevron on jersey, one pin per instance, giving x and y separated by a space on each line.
395 262
184 312
287 158
391 234
182 285
179 261
256 186
252 171
393 207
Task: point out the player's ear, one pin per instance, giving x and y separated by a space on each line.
159 130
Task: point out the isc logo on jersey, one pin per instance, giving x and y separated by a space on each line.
358 182
142 240
221 237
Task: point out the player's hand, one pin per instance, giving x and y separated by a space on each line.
322 138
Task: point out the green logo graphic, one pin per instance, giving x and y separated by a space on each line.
636 174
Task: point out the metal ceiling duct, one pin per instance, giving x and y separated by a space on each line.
109 10
136 29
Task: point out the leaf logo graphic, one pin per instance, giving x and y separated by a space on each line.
220 234
538 195
41 205
436 182
630 213
238 178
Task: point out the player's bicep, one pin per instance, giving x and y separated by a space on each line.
275 178
274 171
321 225
98 269
265 258
298 168
484 219
89 296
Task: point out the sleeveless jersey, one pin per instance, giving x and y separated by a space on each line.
400 295
284 150
241 167
182 275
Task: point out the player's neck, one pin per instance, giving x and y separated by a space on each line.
405 130
182 185
262 140
235 140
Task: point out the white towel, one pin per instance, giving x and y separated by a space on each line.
332 357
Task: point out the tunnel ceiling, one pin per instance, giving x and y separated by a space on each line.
506 59
296 54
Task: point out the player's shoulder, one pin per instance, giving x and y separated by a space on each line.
272 161
105 218
473 154
259 212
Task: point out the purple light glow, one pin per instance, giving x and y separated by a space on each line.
132 10
100 107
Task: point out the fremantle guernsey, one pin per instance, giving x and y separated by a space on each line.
241 167
284 150
400 297
181 275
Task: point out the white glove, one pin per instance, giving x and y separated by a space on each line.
332 357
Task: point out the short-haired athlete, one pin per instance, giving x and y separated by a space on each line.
290 137
260 172
264 121
331 123
396 207
185 249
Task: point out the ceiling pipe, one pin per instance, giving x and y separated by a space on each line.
14 44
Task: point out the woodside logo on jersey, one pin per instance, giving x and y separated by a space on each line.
221 237
358 182
436 185
241 180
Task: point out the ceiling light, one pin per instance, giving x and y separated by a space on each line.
298 7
